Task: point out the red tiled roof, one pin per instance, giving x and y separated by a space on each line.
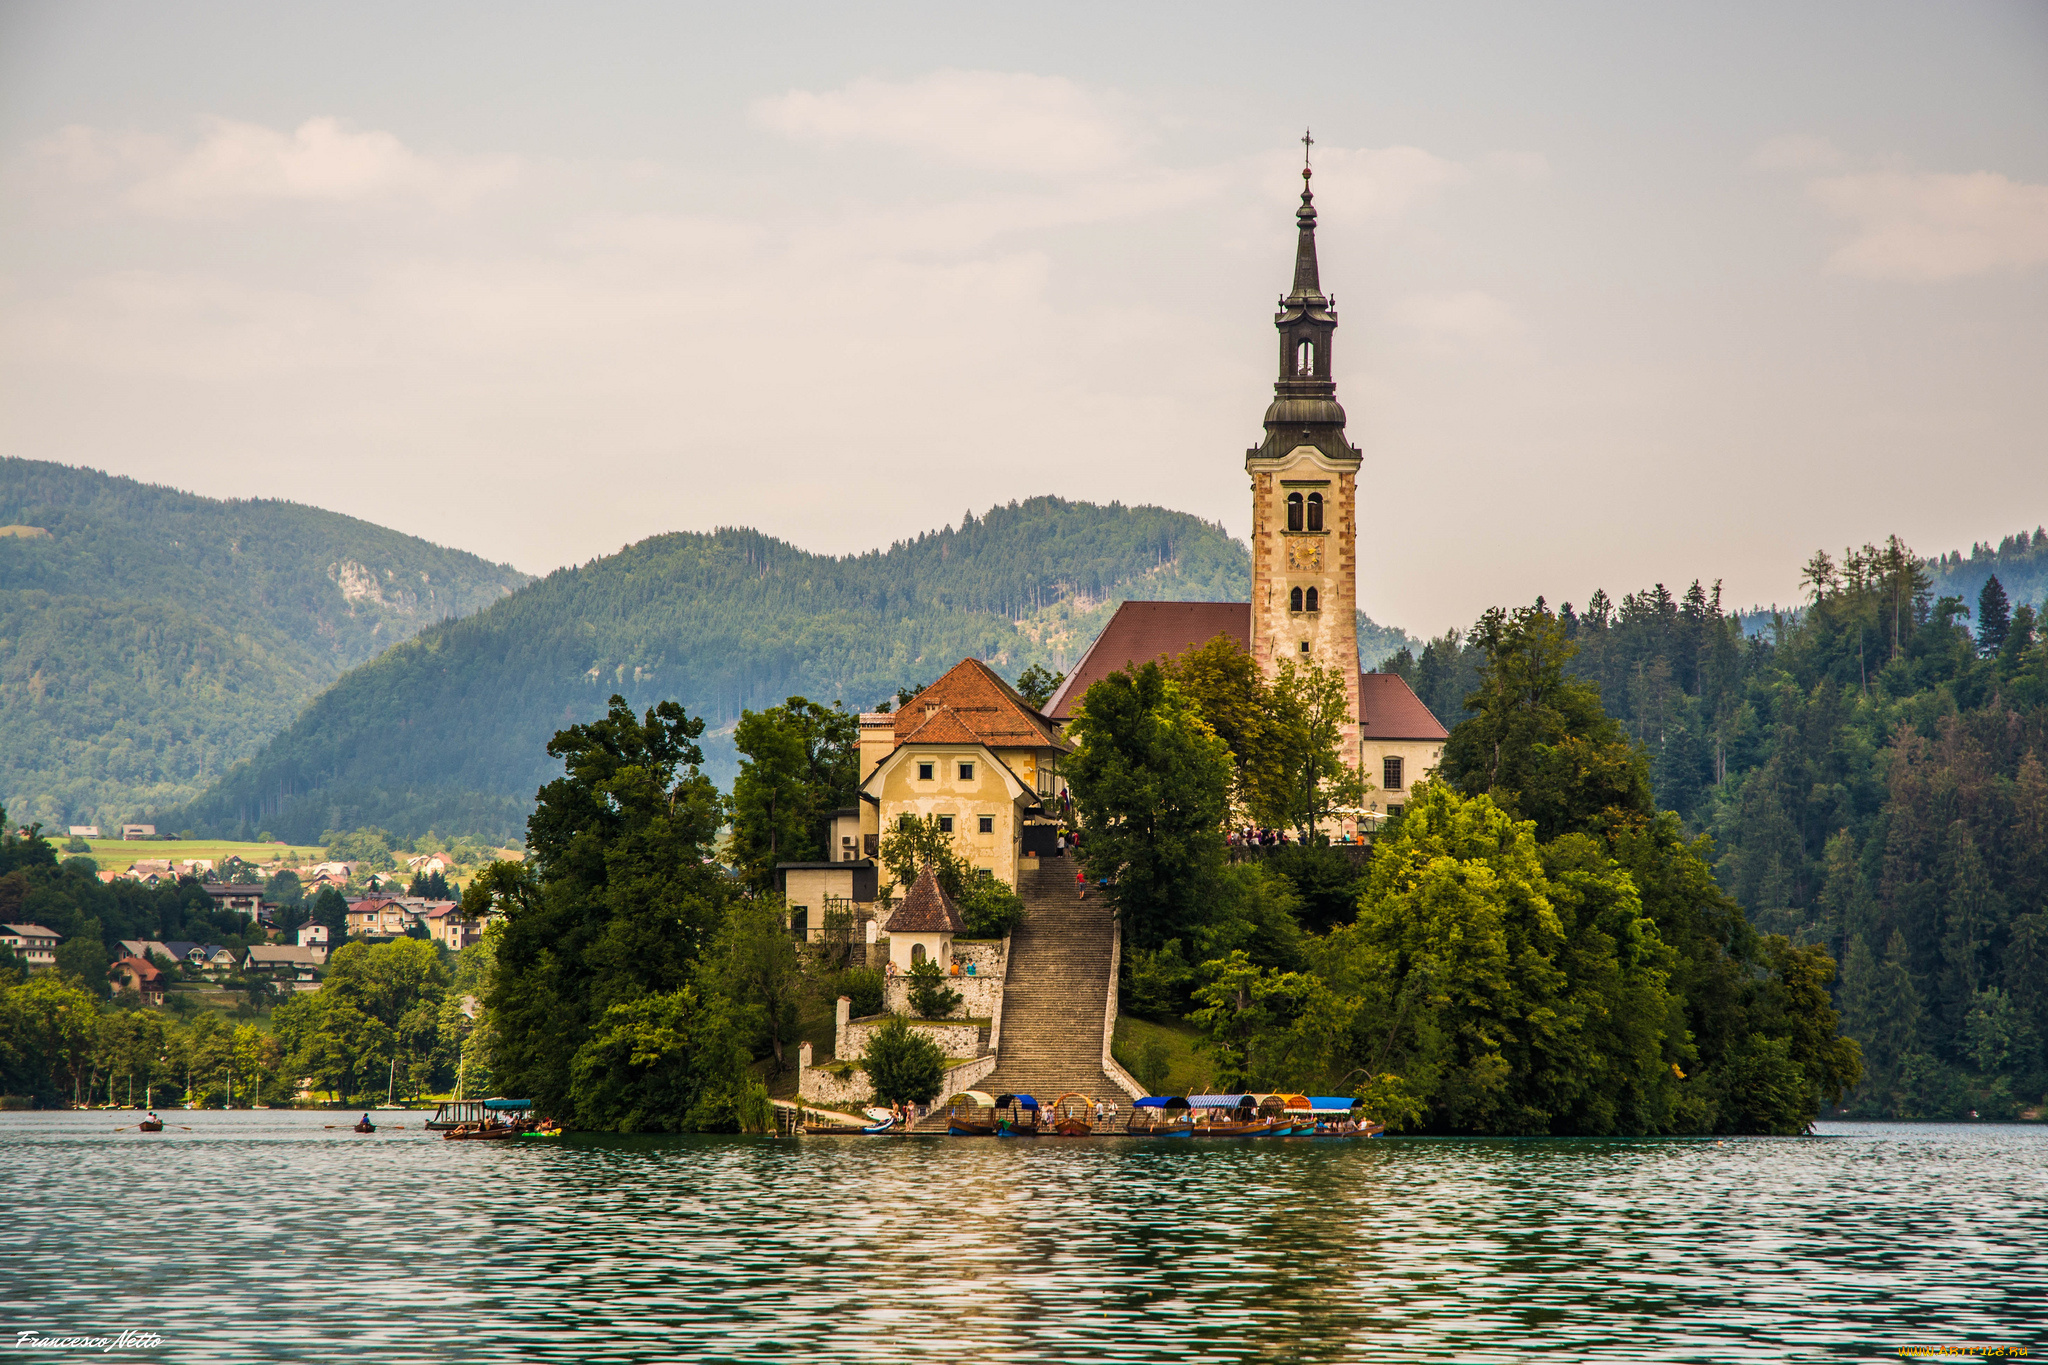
1393 711
1140 632
987 709
926 910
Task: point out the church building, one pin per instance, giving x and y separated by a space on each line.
1304 487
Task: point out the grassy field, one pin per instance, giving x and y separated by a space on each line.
1139 1040
118 855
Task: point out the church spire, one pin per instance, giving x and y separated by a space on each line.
1308 286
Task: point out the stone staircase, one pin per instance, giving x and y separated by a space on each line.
1054 996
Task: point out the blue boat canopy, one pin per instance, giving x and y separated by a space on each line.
1161 1102
508 1104
1021 1101
1331 1104
1219 1101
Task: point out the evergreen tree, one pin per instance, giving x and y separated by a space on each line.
1994 616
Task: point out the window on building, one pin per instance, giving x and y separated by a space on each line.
966 772
924 772
1390 774
917 953
988 824
1315 511
1394 809
1305 358
1294 511
1304 646
1311 602
945 824
1294 600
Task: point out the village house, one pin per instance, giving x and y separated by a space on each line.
427 864
313 936
447 927
922 928
85 831
972 753
381 918
138 831
247 900
32 943
284 963
134 973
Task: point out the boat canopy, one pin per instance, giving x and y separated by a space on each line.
1021 1101
1220 1101
1331 1104
978 1098
508 1104
1161 1102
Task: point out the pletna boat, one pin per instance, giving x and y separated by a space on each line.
964 1114
480 1132
1066 1122
1022 1119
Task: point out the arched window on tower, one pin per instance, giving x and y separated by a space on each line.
1305 359
1294 600
1315 511
1294 511
1311 605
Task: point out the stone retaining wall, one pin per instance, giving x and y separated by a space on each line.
981 995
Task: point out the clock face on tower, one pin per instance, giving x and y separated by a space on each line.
1305 552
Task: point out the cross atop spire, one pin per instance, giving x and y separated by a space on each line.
1307 284
1307 141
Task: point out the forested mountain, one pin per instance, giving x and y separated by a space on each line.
1871 771
2020 563
450 731
150 638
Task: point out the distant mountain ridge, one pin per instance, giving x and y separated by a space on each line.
150 638
450 729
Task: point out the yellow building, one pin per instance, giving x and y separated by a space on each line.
971 752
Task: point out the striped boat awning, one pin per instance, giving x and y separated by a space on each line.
1331 1104
1218 1101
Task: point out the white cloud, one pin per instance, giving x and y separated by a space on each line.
233 165
1465 317
1926 226
1006 121
1797 152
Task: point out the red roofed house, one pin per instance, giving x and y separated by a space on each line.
1304 483
142 977
973 753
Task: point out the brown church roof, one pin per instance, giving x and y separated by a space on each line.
981 704
1140 632
926 910
1393 711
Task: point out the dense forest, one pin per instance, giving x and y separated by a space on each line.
1870 770
149 638
450 729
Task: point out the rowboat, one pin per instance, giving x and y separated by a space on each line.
961 1108
151 1125
364 1128
1016 1124
480 1132
1065 1124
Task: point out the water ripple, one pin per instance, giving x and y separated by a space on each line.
270 1236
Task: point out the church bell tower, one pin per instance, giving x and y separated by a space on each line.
1305 490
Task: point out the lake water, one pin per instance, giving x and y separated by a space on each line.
269 1236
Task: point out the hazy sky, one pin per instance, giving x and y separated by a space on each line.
1629 292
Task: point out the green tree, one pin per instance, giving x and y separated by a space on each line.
370 847
802 761
1227 689
929 996
618 906
762 971
1994 616
1151 782
1036 684
1310 709
1538 741
902 1064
